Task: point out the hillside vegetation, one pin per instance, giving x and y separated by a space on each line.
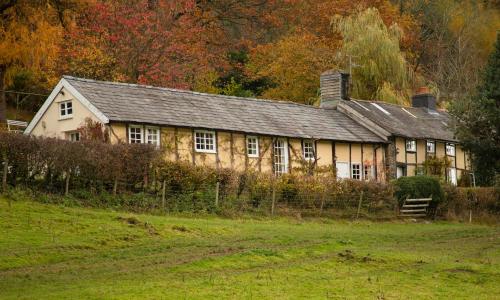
49 252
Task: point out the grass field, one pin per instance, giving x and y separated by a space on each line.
54 252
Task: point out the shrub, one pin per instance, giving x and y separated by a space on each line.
418 187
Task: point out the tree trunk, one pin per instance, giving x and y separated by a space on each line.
3 100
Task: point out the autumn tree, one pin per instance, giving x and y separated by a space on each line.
381 71
309 46
29 35
163 43
456 38
293 65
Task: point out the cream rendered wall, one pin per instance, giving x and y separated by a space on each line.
440 149
238 159
265 148
342 152
295 154
324 153
421 146
400 149
118 133
356 153
381 169
51 125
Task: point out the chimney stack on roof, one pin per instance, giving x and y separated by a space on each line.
424 98
334 87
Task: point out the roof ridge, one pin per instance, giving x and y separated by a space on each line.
190 92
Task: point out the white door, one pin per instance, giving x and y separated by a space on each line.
342 170
280 156
452 176
399 172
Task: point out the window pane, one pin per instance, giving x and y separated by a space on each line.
280 157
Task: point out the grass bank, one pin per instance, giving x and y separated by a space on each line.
52 252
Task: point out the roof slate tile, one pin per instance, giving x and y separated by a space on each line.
162 106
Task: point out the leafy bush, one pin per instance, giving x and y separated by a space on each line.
483 202
418 187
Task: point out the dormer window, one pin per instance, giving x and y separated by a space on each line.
65 109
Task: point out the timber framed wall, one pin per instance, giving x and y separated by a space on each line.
231 151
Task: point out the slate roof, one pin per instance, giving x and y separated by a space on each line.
121 102
412 122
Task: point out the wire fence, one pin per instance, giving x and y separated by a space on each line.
137 178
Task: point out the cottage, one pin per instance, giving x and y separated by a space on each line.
243 133
414 134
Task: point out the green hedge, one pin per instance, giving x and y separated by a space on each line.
418 187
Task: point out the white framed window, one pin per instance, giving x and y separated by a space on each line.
450 149
65 109
74 136
152 136
252 146
411 145
356 171
308 150
280 158
431 147
135 134
342 170
204 141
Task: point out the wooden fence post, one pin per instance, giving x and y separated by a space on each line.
66 188
163 204
359 204
217 194
5 171
273 200
115 186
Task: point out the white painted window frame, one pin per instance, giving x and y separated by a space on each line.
74 136
310 152
141 130
158 135
63 107
413 144
360 174
450 146
433 143
214 141
285 157
256 144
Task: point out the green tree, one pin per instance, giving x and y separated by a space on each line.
477 119
381 70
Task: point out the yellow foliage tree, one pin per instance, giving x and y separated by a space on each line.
294 65
380 71
29 36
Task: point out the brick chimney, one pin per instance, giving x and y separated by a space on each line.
424 98
334 86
